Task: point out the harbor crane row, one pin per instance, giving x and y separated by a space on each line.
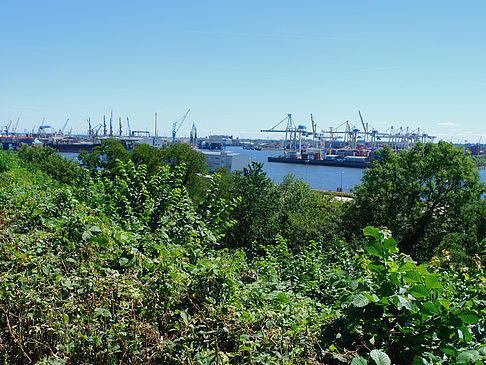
351 137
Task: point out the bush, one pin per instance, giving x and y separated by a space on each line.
410 313
8 160
60 168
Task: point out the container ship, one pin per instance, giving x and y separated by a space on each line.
314 156
346 147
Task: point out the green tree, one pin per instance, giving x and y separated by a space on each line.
307 215
418 194
258 214
196 165
8 160
47 159
105 156
149 156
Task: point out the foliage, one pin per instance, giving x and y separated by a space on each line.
104 156
472 239
479 160
126 268
418 194
76 287
308 215
414 313
196 165
258 214
144 154
8 160
47 159
161 203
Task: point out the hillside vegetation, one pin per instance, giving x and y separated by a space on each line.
142 261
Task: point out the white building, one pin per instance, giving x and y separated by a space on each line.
157 142
230 160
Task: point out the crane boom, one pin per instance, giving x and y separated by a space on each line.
177 125
64 126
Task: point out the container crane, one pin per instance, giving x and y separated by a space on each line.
177 125
293 134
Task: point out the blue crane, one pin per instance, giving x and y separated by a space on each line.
61 131
177 125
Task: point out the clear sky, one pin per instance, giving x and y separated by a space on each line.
242 66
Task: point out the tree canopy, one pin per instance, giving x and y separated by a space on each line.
419 194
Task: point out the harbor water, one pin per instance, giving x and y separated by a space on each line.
318 177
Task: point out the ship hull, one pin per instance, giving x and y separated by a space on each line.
337 163
73 147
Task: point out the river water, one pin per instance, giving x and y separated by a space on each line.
318 177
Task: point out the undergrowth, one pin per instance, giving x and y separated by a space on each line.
127 270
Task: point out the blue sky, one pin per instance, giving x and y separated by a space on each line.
242 66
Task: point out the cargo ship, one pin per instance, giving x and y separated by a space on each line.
343 157
350 147
72 146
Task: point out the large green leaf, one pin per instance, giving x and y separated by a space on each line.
359 300
411 277
444 303
379 269
372 231
283 297
374 249
380 357
468 316
407 266
389 244
430 307
402 302
419 291
431 282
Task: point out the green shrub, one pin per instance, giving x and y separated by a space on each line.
410 313
8 160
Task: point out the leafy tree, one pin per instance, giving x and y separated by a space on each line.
47 159
7 160
479 161
105 156
472 239
418 194
149 156
307 215
196 165
160 202
258 214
